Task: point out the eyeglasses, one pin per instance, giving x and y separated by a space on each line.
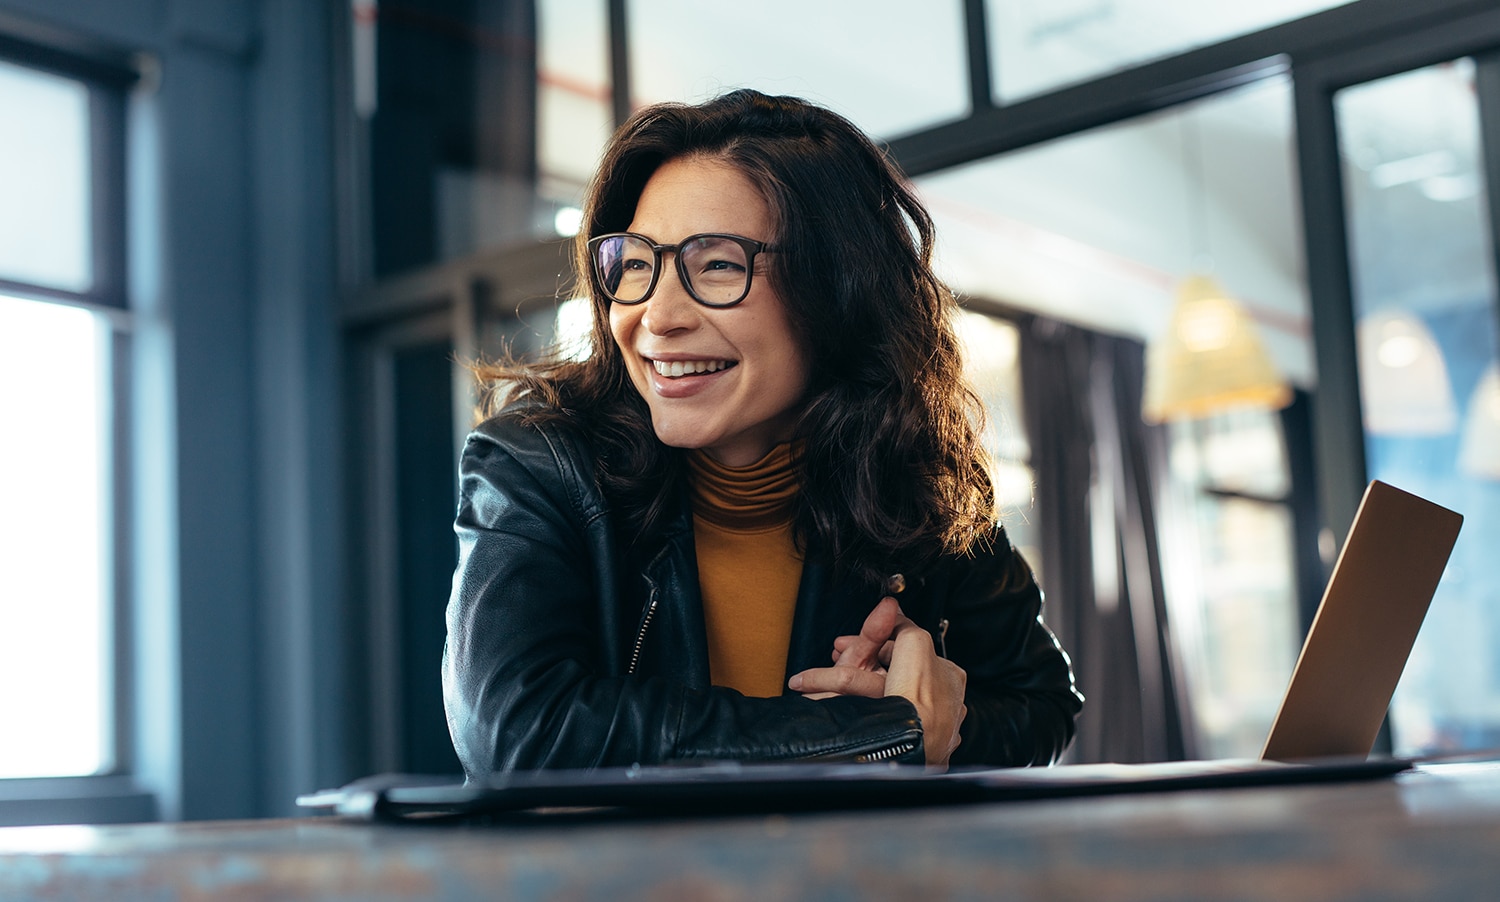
714 268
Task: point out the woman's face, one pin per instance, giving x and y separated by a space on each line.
746 371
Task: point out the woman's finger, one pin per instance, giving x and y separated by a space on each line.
840 681
864 650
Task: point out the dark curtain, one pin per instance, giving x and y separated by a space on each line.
1097 469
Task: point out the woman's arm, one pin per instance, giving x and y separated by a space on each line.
528 680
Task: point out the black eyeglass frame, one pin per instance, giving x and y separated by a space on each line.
751 247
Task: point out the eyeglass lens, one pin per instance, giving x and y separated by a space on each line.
715 268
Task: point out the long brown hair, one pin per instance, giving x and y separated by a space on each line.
892 471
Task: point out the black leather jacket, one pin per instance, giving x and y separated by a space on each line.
569 648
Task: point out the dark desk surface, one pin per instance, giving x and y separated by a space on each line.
1427 835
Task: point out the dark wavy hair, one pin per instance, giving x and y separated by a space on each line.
892 473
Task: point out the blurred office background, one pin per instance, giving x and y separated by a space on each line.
245 244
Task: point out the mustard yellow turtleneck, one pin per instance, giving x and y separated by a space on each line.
748 567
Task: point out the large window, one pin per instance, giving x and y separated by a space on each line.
1100 228
58 271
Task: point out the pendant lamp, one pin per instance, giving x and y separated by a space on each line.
1210 359
1403 379
1479 451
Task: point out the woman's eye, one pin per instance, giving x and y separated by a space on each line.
635 265
723 266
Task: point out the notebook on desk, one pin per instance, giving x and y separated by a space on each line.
1367 621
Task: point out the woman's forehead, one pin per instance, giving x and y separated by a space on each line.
689 195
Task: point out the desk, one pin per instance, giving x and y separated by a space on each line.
1427 835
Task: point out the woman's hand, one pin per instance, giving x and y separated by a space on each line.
893 656
934 685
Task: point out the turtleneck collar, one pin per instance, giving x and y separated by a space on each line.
759 496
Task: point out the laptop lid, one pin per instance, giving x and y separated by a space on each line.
1365 626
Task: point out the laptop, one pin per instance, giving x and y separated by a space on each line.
1361 636
1365 626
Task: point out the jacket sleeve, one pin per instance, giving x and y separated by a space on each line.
1021 697
525 682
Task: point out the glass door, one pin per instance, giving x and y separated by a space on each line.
1422 273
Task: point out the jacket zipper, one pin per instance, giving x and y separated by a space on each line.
640 636
885 754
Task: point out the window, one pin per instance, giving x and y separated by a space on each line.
992 364
1235 611
1040 47
54 541
1429 369
59 276
887 66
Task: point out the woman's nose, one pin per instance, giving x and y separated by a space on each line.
670 307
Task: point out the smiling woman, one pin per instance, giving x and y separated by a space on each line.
769 464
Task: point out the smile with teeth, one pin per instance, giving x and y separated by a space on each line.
675 368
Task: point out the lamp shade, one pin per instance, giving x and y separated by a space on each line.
1479 452
1210 359
1403 379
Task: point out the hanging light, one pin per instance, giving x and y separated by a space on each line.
1210 359
1479 451
1403 380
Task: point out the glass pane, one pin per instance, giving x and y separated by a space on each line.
1424 301
1234 595
574 113
54 571
1040 47
1101 227
44 180
888 66
453 131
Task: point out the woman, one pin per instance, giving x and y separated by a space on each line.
755 523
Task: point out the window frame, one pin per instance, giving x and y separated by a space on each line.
110 796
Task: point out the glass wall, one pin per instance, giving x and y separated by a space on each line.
1424 293
1096 228
1100 228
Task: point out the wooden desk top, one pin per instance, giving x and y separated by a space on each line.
1431 834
